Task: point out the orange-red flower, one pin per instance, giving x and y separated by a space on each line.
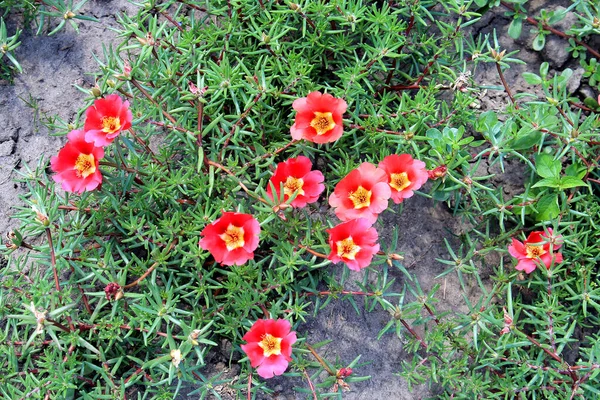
318 118
269 346
353 242
363 193
232 238
105 119
405 175
536 250
77 165
296 177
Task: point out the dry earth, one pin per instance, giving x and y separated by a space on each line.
53 65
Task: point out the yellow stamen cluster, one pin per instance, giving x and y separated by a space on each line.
111 124
399 181
85 165
534 251
361 198
233 237
347 248
322 122
271 345
293 185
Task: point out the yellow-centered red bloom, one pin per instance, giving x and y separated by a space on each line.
296 177
363 193
269 346
77 166
232 238
405 175
536 250
354 243
318 118
105 119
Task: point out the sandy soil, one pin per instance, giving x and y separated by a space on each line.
53 65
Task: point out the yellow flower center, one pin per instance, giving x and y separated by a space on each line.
233 237
534 251
85 165
271 345
111 124
361 198
399 181
347 248
322 122
293 185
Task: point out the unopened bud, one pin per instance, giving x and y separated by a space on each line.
295 7
438 172
193 336
265 38
344 372
113 291
95 91
68 15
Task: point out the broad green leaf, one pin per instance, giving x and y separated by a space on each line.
547 207
547 182
515 27
546 166
527 141
539 42
567 182
531 78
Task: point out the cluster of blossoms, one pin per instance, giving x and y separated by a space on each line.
357 200
77 163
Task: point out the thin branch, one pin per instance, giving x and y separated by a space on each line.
53 259
506 88
557 32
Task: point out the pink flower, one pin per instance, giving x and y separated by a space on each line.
536 250
296 176
363 193
232 238
353 242
77 165
269 346
404 175
319 118
105 119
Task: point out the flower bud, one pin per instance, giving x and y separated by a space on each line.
438 172
113 291
344 372
193 336
95 91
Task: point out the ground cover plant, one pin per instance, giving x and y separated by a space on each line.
232 152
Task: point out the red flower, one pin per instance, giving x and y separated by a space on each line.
536 250
353 242
319 118
232 238
363 193
296 176
105 119
269 346
404 175
77 165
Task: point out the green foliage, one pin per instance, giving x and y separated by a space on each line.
7 45
211 86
